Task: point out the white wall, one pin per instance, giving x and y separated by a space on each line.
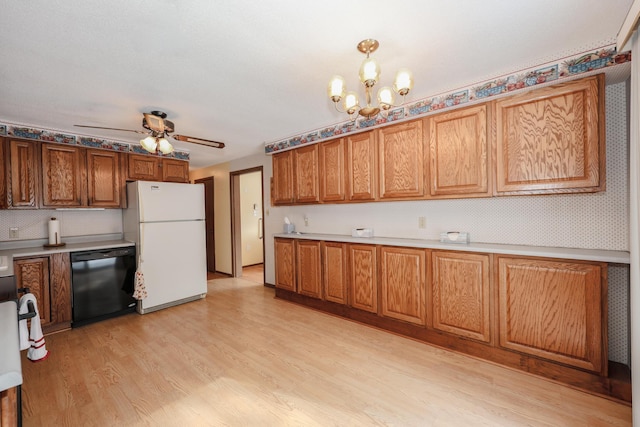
221 212
250 215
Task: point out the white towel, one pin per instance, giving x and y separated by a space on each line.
139 289
23 308
36 345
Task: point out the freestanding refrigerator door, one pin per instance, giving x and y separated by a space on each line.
173 262
168 201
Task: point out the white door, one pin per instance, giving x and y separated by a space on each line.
173 261
168 201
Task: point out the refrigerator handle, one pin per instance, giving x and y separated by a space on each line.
259 228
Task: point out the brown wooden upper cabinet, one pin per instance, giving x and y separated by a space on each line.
282 183
332 170
22 178
143 168
305 162
104 179
552 140
401 161
77 177
174 170
63 173
361 166
152 168
459 153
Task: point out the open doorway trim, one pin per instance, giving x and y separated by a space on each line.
236 244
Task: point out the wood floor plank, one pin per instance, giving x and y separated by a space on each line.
242 358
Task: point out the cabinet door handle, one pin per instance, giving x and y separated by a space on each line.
259 228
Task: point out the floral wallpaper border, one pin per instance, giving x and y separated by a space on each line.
579 64
64 138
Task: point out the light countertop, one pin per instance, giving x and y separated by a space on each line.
10 367
69 247
614 257
34 248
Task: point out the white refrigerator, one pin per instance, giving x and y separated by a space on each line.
166 221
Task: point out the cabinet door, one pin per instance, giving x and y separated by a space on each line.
363 278
361 166
63 174
308 268
60 286
175 170
332 169
334 274
460 298
401 160
552 139
105 183
458 149
4 175
305 160
555 310
143 168
33 273
285 264
282 191
23 174
402 284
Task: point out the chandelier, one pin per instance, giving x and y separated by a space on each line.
369 75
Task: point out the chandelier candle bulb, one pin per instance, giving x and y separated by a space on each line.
337 88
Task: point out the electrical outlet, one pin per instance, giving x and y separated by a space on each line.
306 221
422 222
13 232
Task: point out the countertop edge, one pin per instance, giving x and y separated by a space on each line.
10 365
600 255
71 247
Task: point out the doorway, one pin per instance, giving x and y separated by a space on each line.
247 225
209 222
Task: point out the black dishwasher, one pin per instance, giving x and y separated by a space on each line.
102 284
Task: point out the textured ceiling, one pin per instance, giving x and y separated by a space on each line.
249 72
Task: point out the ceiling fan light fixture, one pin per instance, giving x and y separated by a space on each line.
164 146
149 143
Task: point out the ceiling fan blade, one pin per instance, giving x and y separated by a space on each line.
194 140
101 127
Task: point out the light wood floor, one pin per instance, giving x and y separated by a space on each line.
242 358
254 273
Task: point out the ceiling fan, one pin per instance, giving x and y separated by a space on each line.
159 128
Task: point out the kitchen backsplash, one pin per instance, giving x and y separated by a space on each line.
32 224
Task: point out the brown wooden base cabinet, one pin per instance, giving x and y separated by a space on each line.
285 264
402 284
460 297
49 280
9 407
334 272
308 268
363 283
555 310
544 316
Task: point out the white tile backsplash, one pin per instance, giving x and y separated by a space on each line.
32 224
